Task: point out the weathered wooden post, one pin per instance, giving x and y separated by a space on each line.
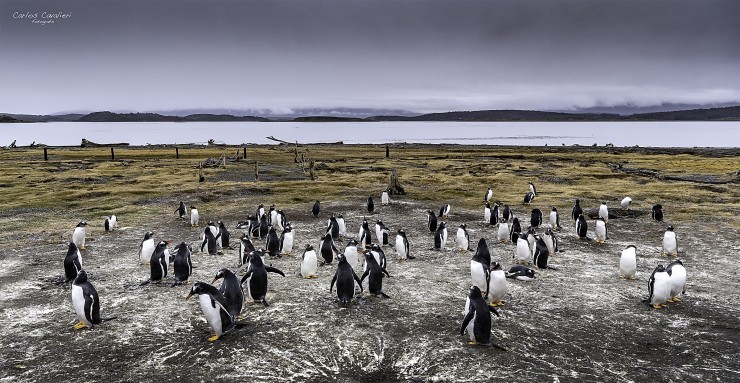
177 153
387 151
245 153
295 153
112 155
256 172
311 170
46 155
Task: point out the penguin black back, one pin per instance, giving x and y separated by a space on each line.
345 278
577 211
375 274
257 276
273 242
225 235
327 248
159 263
333 227
536 219
316 209
581 227
516 229
231 289
431 221
72 262
480 314
370 205
181 210
210 240
183 264
482 254
657 212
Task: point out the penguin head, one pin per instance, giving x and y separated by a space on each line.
379 223
523 236
197 289
657 207
488 205
80 278
148 235
670 228
261 206
182 247
600 219
162 244
495 266
482 244
368 256
443 225
554 209
659 269
272 230
340 216
463 226
221 274
72 247
272 207
221 224
401 232
529 272
82 224
632 246
578 202
374 247
474 292
548 232
309 247
352 242
341 259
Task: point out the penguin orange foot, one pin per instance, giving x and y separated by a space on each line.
80 326
214 338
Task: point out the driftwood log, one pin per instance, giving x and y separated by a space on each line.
90 144
214 162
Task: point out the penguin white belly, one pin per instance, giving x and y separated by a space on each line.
384 199
669 243
400 248
342 227
78 237
274 218
548 242
470 327
78 302
350 253
147 249
376 255
444 238
661 289
497 286
628 263
600 231
194 217
309 264
487 215
626 202
554 220
478 275
462 240
288 242
213 314
503 231
522 250
678 280
604 213
379 234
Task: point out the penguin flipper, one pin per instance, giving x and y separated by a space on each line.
365 274
333 280
493 310
466 321
247 275
357 279
274 270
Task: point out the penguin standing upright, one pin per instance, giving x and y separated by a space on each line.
522 253
332 227
541 254
86 302
379 255
327 248
516 229
110 222
272 244
78 235
159 263
257 277
497 286
463 240
577 211
214 307
502 233
601 231
194 216
210 240
379 229
146 248
657 212
677 274
215 231
507 214
273 214
365 236
345 278
286 240
260 212
254 226
370 205
626 203
477 320
72 262
487 213
264 227
529 197
231 290
316 209
183 264
180 211
444 211
670 245
375 273
440 236
384 198
225 235
403 249
493 219
551 240
245 247
536 218
309 263
604 212
480 265
628 262
659 287
581 227
281 221
342 226
554 218
431 221
488 195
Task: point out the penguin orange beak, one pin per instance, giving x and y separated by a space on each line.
214 280
189 295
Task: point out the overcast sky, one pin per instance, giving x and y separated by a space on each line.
417 55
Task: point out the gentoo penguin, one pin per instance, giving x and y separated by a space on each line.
536 218
375 273
370 205
345 278
477 320
440 236
272 244
210 240
529 197
273 214
516 229
379 227
78 235
670 246
280 220
379 255
626 203
260 212
342 226
365 237
110 222
444 211
531 238
309 263
604 212
521 273
231 290
194 216
463 240
85 302
351 254
215 231
316 209
497 286
551 240
183 264
286 240
480 265
659 287
214 307
384 198
577 211
159 263
245 247
677 274
522 253
72 262
658 212
493 219
181 210
257 277
332 227
225 236
402 246
554 218
146 248
507 214
431 221
264 227
327 248
502 234
628 262
581 227
541 254
601 231
488 195
254 226
487 213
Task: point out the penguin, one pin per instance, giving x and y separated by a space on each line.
554 219
231 290
225 235
531 238
541 254
183 264
375 273
502 234
379 229
342 226
181 210
159 263
488 195
272 244
379 255
245 247
670 245
493 219
345 278
487 213
431 221
332 227
536 219
309 263
215 231
522 253
146 248
477 320
604 212
551 240
601 230
327 248
497 286
370 205
351 254
281 221
110 223
463 240
626 203
516 229
86 302
286 240
521 273
214 307
628 262
365 236
659 287
316 209
657 213
384 198
529 197
385 235
194 216
507 214
440 236
677 274
78 235
210 240
72 262
254 226
260 212
444 211
257 277
581 227
577 211
264 227
402 246
480 266
273 214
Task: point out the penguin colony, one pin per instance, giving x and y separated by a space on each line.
222 306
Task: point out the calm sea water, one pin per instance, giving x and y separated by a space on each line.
655 134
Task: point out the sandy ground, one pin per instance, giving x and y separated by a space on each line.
580 323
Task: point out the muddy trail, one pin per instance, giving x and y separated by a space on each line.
579 323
